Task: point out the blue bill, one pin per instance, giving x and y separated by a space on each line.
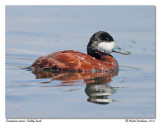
117 49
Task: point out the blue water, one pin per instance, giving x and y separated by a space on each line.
34 31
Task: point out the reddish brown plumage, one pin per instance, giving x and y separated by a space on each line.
76 61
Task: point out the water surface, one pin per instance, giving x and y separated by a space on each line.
34 31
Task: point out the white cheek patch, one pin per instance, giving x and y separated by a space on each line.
106 47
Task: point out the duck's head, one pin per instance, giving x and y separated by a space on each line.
102 43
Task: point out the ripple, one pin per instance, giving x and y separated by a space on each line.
130 67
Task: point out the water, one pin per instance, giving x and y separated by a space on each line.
34 31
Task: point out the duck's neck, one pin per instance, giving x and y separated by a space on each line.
107 58
98 55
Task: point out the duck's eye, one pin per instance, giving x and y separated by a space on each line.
107 39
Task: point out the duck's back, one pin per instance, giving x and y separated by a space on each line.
75 61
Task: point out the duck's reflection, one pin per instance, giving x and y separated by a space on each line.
98 93
97 84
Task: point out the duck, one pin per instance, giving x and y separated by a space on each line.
97 59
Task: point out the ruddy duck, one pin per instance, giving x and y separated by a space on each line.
98 59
